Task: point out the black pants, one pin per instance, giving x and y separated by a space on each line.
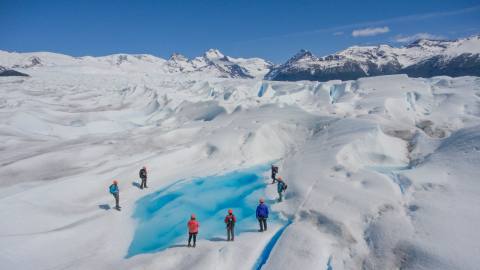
144 183
230 233
263 224
274 177
117 199
190 236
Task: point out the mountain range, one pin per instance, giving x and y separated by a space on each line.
422 58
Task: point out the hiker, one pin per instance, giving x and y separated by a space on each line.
230 221
281 187
262 215
192 230
143 176
116 193
274 173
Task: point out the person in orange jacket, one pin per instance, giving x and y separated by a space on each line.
192 230
230 221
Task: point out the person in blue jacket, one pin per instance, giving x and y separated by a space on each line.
262 215
115 191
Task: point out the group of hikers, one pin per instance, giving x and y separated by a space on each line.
115 191
281 185
230 219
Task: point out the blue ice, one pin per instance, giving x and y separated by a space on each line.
263 89
269 247
336 91
329 263
162 216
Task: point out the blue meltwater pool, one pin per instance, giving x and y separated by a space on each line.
162 216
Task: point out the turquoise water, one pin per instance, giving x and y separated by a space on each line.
162 216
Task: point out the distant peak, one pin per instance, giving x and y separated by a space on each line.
213 54
178 57
474 37
427 42
302 54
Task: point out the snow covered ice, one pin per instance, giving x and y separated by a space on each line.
382 172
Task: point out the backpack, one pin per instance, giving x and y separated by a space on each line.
230 219
142 173
284 187
112 189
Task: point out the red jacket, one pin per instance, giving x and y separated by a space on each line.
230 218
193 226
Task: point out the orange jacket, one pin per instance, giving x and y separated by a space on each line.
193 226
230 220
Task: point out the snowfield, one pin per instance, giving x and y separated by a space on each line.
382 172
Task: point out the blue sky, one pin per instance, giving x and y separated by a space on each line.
274 30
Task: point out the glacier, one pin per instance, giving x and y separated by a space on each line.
382 172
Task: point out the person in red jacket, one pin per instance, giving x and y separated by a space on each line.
192 230
230 221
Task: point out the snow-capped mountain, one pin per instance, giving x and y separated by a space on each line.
212 63
423 58
4 72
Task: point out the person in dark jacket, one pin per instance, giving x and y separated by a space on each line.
230 222
115 191
143 176
262 215
274 173
193 226
281 187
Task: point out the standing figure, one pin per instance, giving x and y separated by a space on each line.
115 191
281 187
274 173
143 176
192 230
230 221
262 215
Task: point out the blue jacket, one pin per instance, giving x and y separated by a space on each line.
262 211
280 185
114 189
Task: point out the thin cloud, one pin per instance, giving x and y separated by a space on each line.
341 28
368 32
411 38
339 33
